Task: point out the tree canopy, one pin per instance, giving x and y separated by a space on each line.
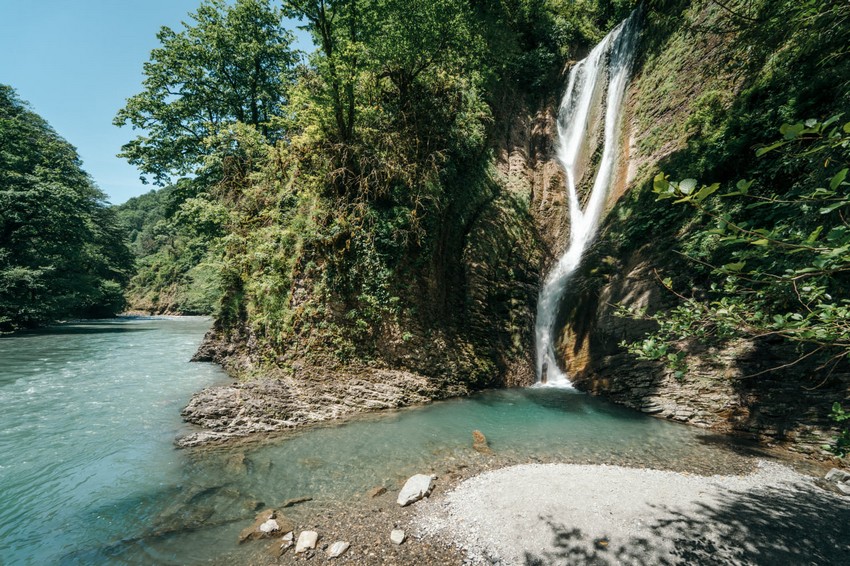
62 252
231 63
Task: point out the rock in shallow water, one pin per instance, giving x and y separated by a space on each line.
415 488
479 443
376 491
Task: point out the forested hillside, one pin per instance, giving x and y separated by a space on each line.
62 251
348 199
392 199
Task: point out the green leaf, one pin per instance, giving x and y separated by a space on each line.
735 267
832 120
838 179
814 235
791 131
687 186
706 191
847 127
833 206
762 150
761 242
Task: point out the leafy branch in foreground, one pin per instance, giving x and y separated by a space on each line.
842 442
780 259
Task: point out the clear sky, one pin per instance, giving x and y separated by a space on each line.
77 61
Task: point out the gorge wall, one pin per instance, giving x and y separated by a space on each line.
686 76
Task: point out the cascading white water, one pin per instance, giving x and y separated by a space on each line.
602 75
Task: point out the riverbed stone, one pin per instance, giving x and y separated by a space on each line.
415 488
337 549
267 524
398 536
479 443
295 501
270 526
377 491
286 541
306 541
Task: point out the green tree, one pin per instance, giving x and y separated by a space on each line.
233 63
62 251
780 263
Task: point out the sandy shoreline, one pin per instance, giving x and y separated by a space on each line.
596 514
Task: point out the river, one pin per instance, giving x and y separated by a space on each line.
89 473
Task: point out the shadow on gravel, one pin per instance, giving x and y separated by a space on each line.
771 525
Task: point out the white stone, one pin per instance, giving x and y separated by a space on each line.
397 536
306 541
337 548
415 488
840 479
269 526
287 541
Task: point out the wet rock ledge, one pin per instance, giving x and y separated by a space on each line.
311 396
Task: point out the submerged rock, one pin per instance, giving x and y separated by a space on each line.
376 491
479 443
398 536
415 488
337 549
295 501
306 541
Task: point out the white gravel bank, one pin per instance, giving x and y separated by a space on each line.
581 514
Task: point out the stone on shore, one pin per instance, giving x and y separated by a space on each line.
415 488
267 524
306 540
337 549
839 479
287 541
398 536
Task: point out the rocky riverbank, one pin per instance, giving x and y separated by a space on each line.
304 397
488 510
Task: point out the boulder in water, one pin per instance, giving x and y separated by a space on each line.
415 488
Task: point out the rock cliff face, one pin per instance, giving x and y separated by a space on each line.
736 388
468 327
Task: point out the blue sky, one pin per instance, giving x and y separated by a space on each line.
77 61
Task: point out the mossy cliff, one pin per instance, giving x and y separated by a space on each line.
709 88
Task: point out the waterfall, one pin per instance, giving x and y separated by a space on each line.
601 76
